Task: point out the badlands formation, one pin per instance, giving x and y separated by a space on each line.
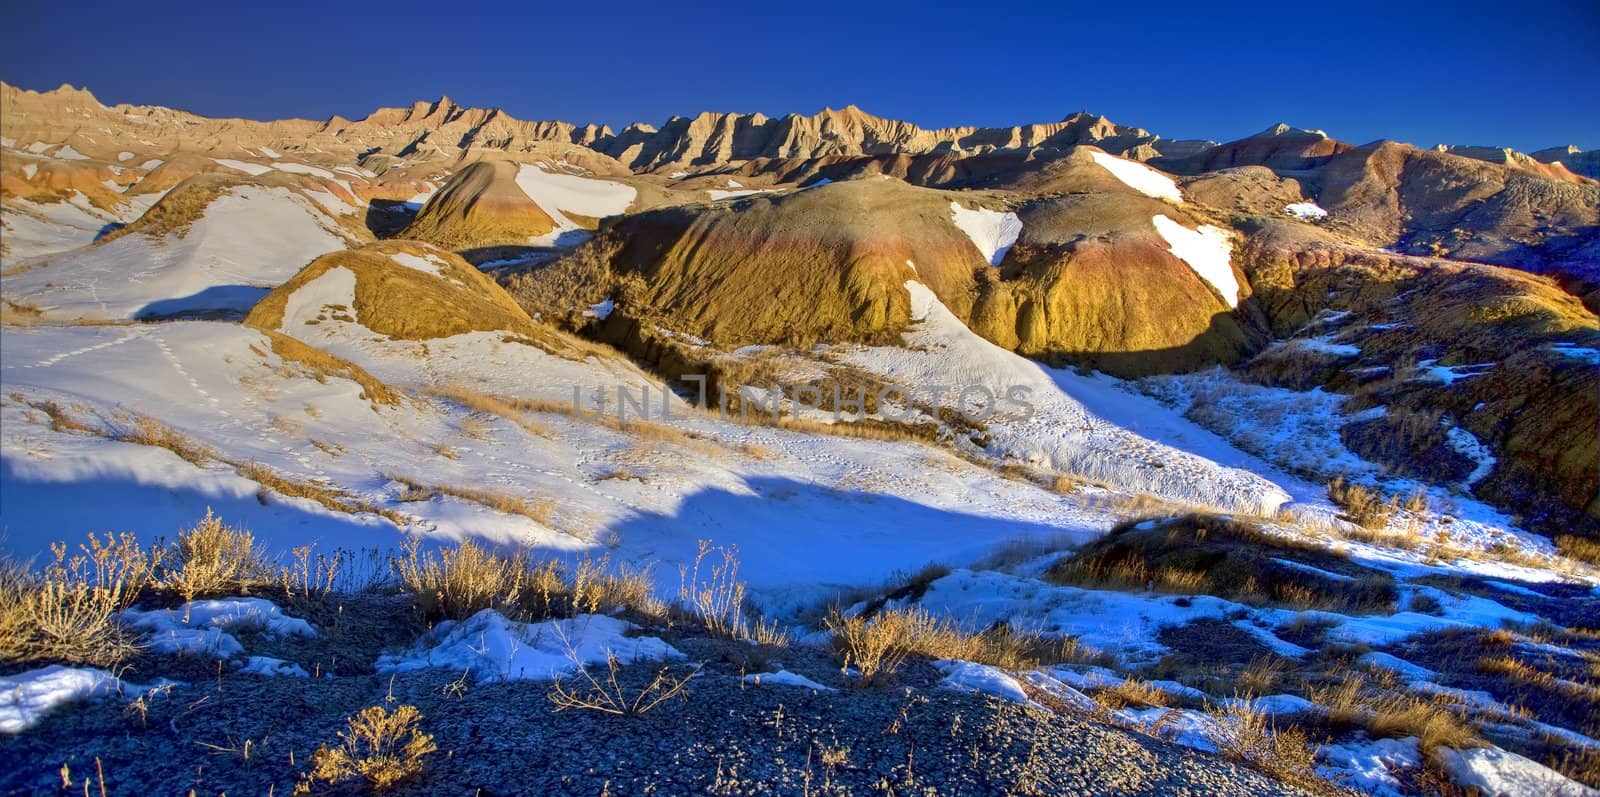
1158 417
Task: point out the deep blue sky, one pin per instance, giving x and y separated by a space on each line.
1521 75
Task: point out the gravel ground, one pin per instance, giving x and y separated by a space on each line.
247 735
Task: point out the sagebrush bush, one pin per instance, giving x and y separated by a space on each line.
214 558
379 747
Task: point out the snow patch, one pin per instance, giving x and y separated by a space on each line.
252 169
1305 211
1138 176
992 231
26 697
1495 771
557 194
785 678
494 648
1207 250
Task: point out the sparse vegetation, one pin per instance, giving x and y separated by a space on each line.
1229 558
878 645
381 748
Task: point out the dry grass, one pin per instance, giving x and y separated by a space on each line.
1579 548
1134 693
1246 735
331 497
144 430
457 582
539 510
379 748
1362 506
1225 557
1383 713
608 695
322 365
877 646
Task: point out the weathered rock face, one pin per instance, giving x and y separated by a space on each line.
1277 147
712 139
1574 160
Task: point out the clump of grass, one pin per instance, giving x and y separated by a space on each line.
1130 692
456 582
1579 548
1362 506
878 645
331 497
382 749
1246 735
539 510
144 430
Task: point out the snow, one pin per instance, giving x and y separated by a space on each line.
205 628
1305 211
718 195
269 152
1370 765
992 231
1468 445
427 265
270 667
1499 772
557 193
124 156
248 241
252 169
1401 667
68 153
494 648
30 170
1138 176
601 311
1207 250
1060 433
335 287
301 168
151 164
785 678
967 676
26 697
1587 354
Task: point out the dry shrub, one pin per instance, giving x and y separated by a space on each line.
608 695
1385 713
711 592
45 619
60 419
214 559
380 748
1246 735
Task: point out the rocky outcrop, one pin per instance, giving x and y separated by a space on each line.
714 139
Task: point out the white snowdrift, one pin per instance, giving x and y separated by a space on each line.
26 697
205 628
1207 250
1491 770
494 648
1139 177
992 231
1305 211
